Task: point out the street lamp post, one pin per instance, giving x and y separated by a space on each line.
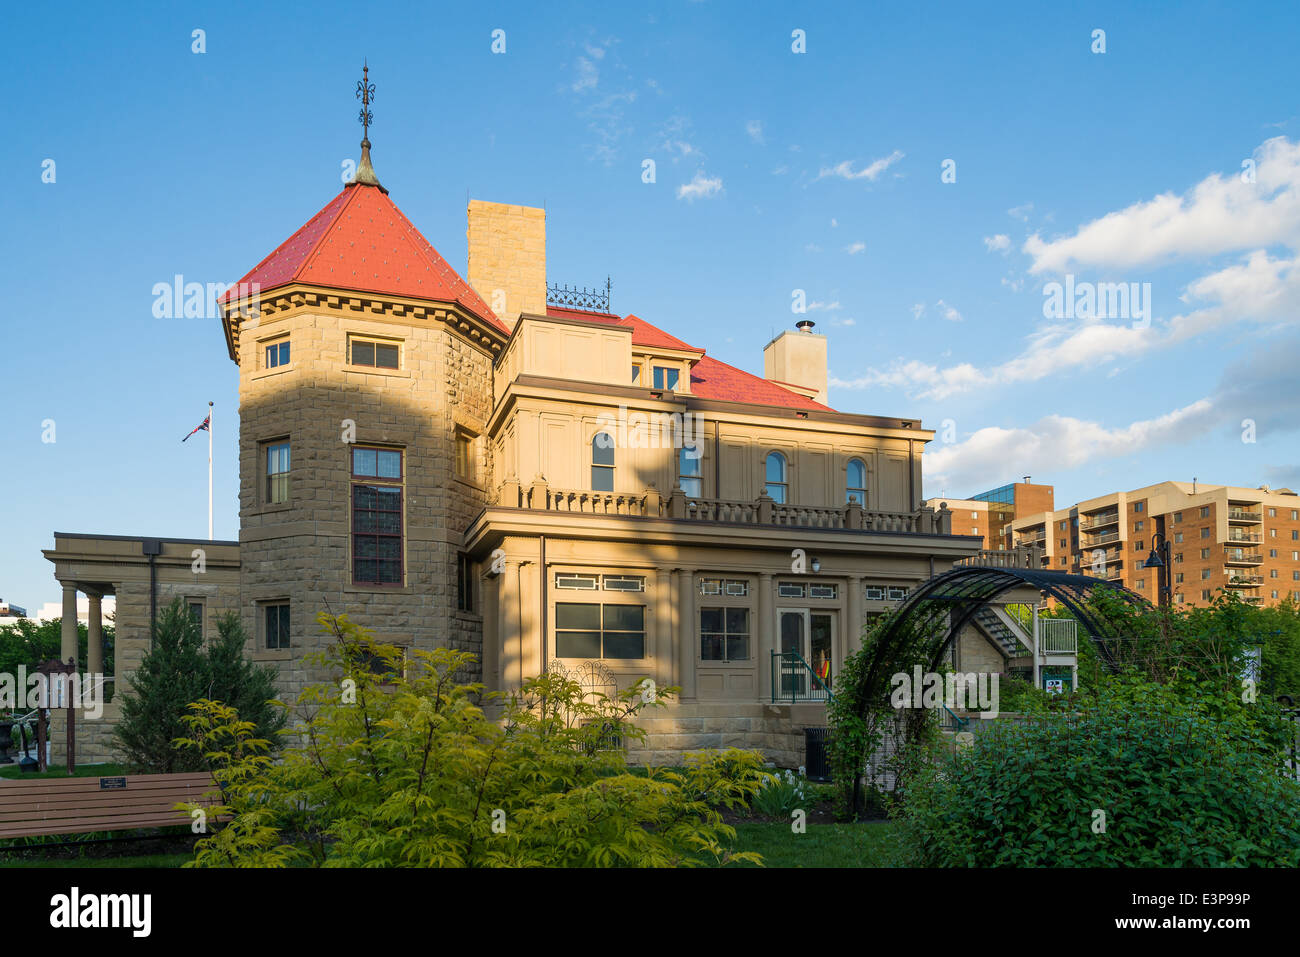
1159 559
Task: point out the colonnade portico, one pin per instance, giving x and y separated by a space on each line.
94 624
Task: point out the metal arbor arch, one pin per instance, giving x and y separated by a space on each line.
958 594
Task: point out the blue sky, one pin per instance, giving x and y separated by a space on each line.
775 171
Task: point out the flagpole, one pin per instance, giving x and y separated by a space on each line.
209 471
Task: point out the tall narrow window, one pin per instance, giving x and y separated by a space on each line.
775 477
277 473
602 463
275 629
689 459
464 456
464 583
376 516
856 490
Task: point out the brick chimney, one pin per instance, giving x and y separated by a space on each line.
798 358
507 258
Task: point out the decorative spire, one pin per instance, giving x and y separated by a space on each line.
366 94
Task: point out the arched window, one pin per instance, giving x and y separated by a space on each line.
602 462
777 486
856 483
689 459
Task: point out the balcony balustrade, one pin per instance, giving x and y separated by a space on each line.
760 511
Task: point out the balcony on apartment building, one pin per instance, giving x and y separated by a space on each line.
1243 581
1097 520
1108 574
1236 535
1245 515
760 511
1101 539
1242 556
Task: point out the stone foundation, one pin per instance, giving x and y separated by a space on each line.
94 738
774 730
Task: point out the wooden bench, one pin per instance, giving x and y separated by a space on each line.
84 805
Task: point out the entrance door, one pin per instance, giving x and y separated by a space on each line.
810 635
792 627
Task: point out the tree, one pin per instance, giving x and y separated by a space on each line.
179 670
394 763
29 643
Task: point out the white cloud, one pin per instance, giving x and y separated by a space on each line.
1015 285
845 169
844 322
674 139
701 187
781 170
1021 212
834 222
813 248
1220 214
999 243
818 306
854 248
1053 443
588 75
949 313
755 130
918 310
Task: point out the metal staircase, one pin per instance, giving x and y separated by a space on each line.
1003 632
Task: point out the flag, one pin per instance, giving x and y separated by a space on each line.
202 426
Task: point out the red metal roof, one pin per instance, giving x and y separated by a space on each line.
362 242
711 379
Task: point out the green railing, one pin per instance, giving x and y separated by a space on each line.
949 721
794 681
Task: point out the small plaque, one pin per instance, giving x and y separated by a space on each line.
112 784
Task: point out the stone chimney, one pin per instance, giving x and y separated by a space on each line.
507 258
798 358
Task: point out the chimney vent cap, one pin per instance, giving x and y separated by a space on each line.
805 325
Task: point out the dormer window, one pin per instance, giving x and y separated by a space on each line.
665 377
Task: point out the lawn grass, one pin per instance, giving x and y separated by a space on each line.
60 771
867 844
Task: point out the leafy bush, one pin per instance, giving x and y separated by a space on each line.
1184 775
179 670
401 767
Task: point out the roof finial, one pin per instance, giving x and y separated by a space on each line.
366 93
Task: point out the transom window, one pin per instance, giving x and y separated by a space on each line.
377 516
277 354
375 353
790 590
724 586
665 377
856 491
689 460
577 582
623 583
724 634
599 631
277 473
602 462
775 479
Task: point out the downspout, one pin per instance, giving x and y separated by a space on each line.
545 656
153 548
717 462
911 475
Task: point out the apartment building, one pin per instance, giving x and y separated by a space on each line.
990 514
1220 537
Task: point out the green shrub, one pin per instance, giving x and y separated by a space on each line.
406 770
180 669
1183 774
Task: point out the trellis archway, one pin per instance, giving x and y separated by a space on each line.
939 609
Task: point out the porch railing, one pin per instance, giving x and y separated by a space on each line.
1058 636
794 681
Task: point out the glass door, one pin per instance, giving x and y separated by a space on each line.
793 630
821 642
